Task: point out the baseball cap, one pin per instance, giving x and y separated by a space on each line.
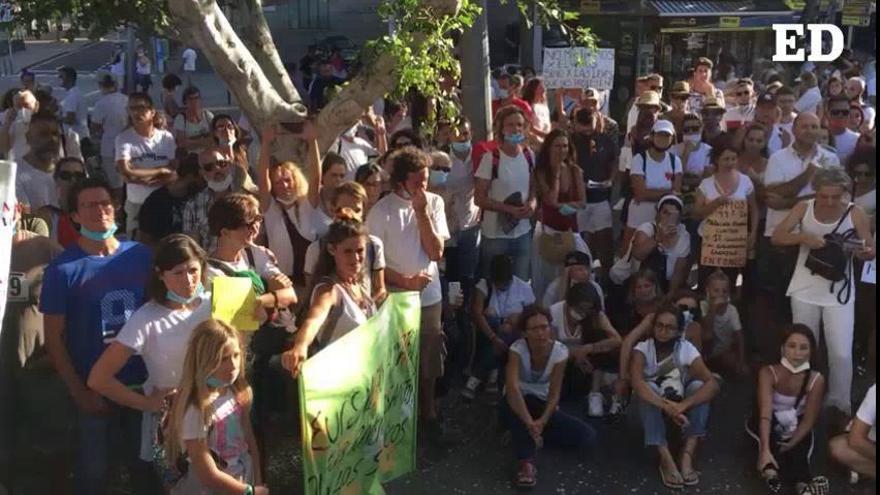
663 126
670 198
591 94
766 99
577 258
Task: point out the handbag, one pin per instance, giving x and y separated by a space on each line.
832 261
553 247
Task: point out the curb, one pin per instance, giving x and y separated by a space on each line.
59 55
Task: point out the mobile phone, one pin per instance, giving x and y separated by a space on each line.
293 127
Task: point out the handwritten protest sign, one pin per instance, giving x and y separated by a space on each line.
233 301
726 236
359 403
7 221
562 70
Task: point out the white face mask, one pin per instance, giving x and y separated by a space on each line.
286 202
791 367
226 142
576 315
691 138
25 115
220 186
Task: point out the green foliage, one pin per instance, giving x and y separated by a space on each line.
93 18
553 13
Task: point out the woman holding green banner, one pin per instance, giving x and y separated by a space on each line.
340 300
533 386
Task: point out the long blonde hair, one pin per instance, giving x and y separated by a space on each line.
203 356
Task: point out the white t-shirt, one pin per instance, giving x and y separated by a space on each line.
867 412
724 328
73 102
709 188
194 130
774 143
160 335
698 159
542 116
682 248
144 152
458 195
189 57
809 101
513 177
657 175
503 304
555 293
393 220
536 382
845 144
785 165
355 154
686 354
111 112
35 188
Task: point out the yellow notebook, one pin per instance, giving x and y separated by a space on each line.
233 301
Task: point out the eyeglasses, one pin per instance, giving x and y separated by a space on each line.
664 326
254 223
71 176
685 307
690 130
839 113
219 164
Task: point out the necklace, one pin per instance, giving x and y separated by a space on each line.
357 294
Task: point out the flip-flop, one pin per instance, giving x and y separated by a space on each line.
692 477
668 483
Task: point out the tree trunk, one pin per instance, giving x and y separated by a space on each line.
475 86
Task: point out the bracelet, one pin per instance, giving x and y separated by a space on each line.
274 299
249 490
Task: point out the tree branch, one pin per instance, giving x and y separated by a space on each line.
211 32
250 24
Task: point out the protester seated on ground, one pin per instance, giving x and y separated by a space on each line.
351 197
663 245
723 337
341 298
789 400
577 268
857 449
495 309
579 323
672 381
641 297
533 384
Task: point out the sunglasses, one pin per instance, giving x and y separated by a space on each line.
219 164
839 113
743 93
691 130
71 176
657 88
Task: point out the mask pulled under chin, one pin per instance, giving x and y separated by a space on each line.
98 236
791 367
177 298
220 186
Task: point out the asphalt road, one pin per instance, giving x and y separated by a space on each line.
88 59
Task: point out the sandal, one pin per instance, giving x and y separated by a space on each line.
692 477
674 480
525 477
771 476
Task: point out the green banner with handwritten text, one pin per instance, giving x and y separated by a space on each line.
359 397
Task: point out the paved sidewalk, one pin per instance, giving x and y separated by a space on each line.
37 51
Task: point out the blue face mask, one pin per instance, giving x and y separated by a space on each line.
176 298
214 382
567 210
461 147
98 236
517 138
437 178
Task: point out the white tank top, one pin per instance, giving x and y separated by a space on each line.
343 318
805 286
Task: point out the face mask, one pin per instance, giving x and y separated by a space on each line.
25 115
176 298
567 210
437 177
226 142
220 186
503 94
663 148
514 139
790 367
98 236
350 133
461 148
286 203
576 315
214 382
692 138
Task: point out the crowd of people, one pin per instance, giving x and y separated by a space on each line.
559 262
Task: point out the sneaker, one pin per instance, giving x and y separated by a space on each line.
618 406
492 382
470 388
526 475
594 408
819 486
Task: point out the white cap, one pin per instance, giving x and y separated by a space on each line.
670 198
663 126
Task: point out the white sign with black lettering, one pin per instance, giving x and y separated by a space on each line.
578 67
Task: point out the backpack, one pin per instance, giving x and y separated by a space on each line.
496 161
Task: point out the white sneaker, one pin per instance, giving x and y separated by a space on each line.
470 388
595 409
492 382
617 406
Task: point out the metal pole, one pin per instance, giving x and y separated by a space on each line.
475 76
849 36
